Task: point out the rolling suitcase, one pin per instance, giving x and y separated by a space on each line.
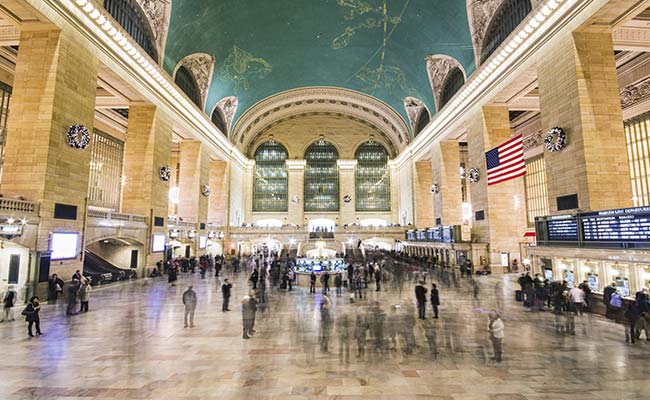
519 295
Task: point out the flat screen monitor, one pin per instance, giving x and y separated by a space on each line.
203 240
64 245
158 243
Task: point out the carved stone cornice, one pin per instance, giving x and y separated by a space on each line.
346 164
298 165
201 66
633 94
321 101
228 107
158 12
414 107
438 68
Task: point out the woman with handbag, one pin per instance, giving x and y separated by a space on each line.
54 288
31 316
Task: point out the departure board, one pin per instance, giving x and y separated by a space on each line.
562 228
626 225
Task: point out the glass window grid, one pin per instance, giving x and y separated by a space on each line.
372 178
128 14
506 19
464 162
185 81
321 178
5 98
106 163
536 192
637 138
455 80
270 187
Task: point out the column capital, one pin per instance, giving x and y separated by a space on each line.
296 164
346 164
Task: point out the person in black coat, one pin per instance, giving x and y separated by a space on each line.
54 287
312 282
607 298
31 316
255 276
225 290
435 300
421 297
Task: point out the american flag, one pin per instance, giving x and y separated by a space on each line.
506 161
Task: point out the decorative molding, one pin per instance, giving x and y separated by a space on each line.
438 68
321 101
228 107
533 141
296 164
346 164
158 12
480 13
201 65
414 107
633 94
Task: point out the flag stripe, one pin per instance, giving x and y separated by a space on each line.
506 161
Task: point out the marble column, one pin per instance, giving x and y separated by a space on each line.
55 84
579 92
394 192
147 149
423 196
503 204
218 202
194 177
447 203
347 211
296 171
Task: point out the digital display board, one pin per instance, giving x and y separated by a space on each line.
625 225
421 235
446 234
410 235
562 228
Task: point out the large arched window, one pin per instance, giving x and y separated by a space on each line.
270 188
131 17
321 177
455 80
505 21
219 120
423 120
372 178
185 81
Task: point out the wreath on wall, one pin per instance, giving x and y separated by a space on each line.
555 139
295 199
435 189
165 173
474 175
347 198
78 136
205 190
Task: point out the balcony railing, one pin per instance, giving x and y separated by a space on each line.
113 216
12 206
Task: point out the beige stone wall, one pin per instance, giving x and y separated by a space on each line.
54 88
423 196
194 173
6 77
504 204
579 92
347 211
296 171
218 202
447 205
236 194
300 132
406 186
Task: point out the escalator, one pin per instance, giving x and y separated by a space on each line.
102 272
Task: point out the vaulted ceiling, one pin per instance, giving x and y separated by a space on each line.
377 47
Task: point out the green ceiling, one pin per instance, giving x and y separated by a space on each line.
264 47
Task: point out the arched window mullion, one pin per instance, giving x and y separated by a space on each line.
270 187
455 80
505 20
185 81
321 177
372 178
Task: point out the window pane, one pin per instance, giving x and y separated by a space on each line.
372 178
270 189
321 177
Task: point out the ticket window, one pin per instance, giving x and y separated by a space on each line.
619 274
567 272
590 274
644 276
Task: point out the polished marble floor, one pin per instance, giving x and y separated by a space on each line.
132 345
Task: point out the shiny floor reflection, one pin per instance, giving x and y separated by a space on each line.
132 345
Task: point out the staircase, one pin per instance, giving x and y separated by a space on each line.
102 271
